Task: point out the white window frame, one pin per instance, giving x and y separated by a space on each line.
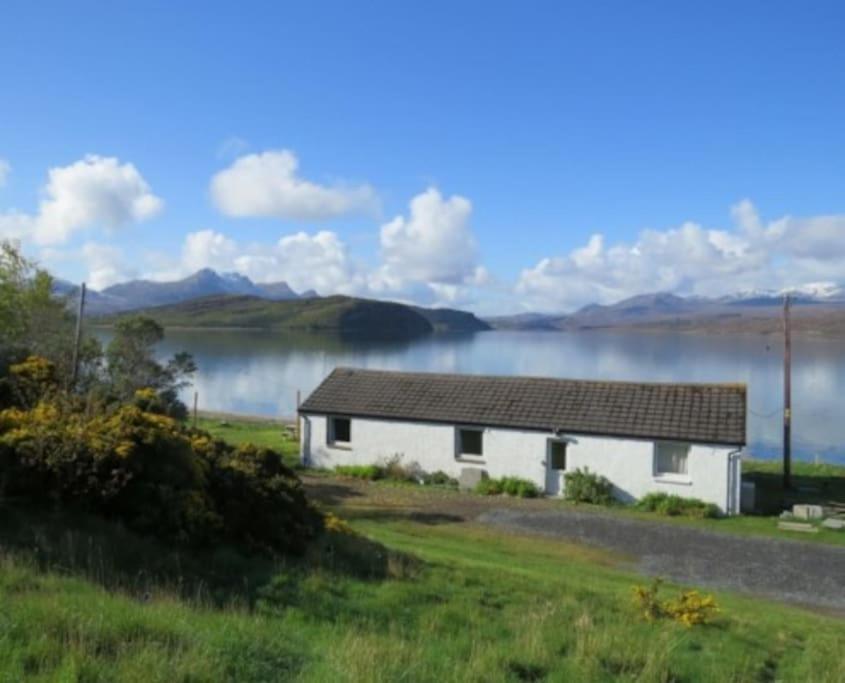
672 477
330 437
459 455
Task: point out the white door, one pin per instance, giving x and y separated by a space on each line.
555 466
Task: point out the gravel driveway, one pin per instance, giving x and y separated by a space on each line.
793 571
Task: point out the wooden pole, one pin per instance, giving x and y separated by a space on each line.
196 401
787 397
74 372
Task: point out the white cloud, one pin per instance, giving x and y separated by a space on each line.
429 257
106 265
305 261
434 243
5 169
267 184
432 254
691 259
15 225
92 192
208 249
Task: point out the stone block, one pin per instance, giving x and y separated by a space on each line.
808 511
470 476
834 523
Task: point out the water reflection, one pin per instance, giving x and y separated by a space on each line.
260 372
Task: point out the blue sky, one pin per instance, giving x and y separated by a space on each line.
559 153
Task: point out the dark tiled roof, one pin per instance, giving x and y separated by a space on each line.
704 413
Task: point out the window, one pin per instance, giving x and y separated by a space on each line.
557 455
470 442
671 458
340 430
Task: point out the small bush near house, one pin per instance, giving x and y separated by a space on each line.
583 486
690 608
395 470
368 472
511 486
440 478
677 506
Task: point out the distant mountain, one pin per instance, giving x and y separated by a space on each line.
817 308
340 314
137 294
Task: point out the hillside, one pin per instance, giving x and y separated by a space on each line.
338 314
754 313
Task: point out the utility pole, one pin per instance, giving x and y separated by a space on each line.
78 338
787 397
196 401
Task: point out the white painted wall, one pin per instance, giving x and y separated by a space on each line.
713 475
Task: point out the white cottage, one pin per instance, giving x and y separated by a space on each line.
684 439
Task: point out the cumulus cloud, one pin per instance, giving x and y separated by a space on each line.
432 253
5 169
92 192
106 265
208 249
691 259
267 184
319 261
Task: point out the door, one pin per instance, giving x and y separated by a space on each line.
555 466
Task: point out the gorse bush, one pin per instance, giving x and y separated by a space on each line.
690 608
583 486
152 473
674 506
511 486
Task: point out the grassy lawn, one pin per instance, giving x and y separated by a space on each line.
85 601
259 432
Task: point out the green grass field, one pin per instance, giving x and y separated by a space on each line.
84 600
259 432
483 606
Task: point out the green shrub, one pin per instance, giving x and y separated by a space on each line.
489 487
521 488
440 478
675 506
583 486
153 474
368 472
511 486
395 470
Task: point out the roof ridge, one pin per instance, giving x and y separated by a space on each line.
425 373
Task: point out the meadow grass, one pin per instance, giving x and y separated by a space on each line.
482 606
85 600
269 434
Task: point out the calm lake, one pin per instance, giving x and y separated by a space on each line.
259 373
